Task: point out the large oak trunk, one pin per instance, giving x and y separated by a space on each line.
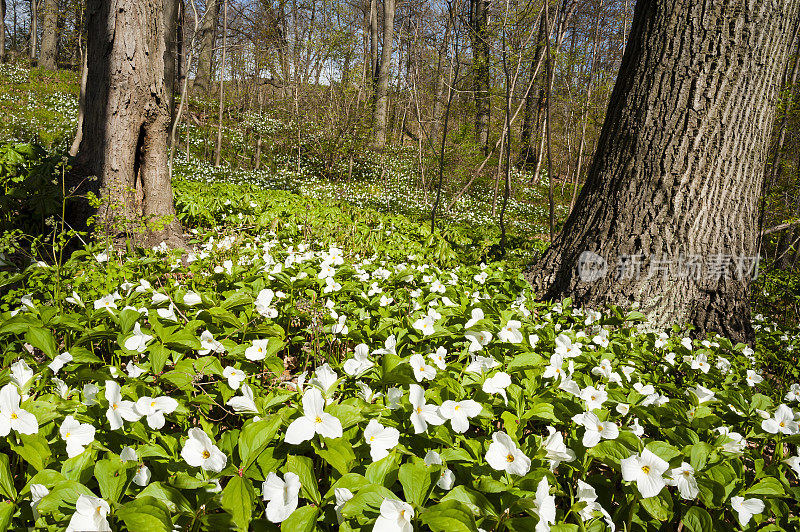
677 172
124 141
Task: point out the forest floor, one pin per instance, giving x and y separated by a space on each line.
322 361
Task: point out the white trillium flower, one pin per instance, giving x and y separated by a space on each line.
596 430
314 420
90 515
701 362
200 451
447 478
424 325
380 439
282 495
75 299
154 408
107 302
133 371
746 508
393 396
781 421
138 340
244 403
366 392
257 351
752 379
438 358
683 478
263 304
793 394
235 376
593 397
12 417
481 364
544 506
421 413
422 371
342 495
794 463
192 298
77 435
702 393
587 494
38 492
497 384
477 315
395 516
565 347
504 455
209 344
21 373
646 470
555 449
59 361
477 340
118 409
459 413
325 379
510 332
360 362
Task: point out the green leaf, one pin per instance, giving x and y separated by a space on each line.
145 513
255 437
302 520
418 480
525 361
367 500
474 500
384 471
7 509
112 477
237 499
303 467
663 450
79 467
338 453
158 357
660 506
6 482
63 494
43 340
449 516
172 498
698 456
697 519
767 486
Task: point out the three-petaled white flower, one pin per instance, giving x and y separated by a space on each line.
200 451
596 430
209 344
477 340
380 439
781 421
683 478
438 358
12 416
395 516
504 455
118 409
138 340
257 351
314 420
77 435
544 506
235 376
422 371
282 495
421 413
510 332
90 515
154 408
497 384
555 449
244 403
646 470
425 325
360 362
746 508
459 413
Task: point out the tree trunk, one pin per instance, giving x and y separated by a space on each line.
479 35
171 61
49 34
34 33
124 140
76 142
382 90
207 39
673 176
2 31
374 66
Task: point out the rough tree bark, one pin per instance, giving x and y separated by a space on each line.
479 36
124 141
34 31
380 112
47 53
2 31
676 169
171 52
207 39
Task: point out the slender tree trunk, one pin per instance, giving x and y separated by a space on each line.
218 151
34 32
49 47
381 112
374 66
76 142
125 126
672 179
479 35
171 62
2 31
207 38
527 153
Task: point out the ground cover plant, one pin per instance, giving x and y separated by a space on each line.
277 378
